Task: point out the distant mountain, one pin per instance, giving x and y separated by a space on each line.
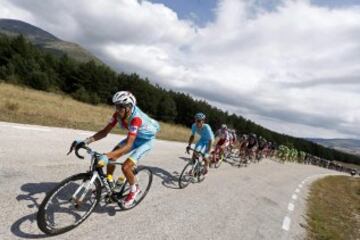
45 40
351 146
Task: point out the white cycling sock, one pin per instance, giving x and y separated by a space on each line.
133 188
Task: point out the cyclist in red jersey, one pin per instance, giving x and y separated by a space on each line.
223 142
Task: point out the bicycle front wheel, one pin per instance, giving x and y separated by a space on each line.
68 204
186 176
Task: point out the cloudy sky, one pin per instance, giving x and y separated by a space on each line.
291 65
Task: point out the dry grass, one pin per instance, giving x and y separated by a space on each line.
24 105
334 209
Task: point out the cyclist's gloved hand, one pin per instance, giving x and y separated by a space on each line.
76 145
103 160
80 143
188 149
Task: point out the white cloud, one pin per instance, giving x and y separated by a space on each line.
9 10
295 68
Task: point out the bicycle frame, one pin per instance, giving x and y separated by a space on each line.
199 156
92 185
197 165
96 173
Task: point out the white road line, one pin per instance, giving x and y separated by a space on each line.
32 128
286 223
291 207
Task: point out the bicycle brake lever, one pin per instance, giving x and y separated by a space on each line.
71 147
77 153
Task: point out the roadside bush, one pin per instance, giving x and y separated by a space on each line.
81 94
39 80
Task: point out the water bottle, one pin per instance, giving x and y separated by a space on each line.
110 181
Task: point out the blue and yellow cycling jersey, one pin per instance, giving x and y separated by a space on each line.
206 134
138 124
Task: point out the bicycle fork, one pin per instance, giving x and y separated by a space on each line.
83 189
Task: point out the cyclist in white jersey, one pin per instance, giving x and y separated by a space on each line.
223 141
233 137
224 137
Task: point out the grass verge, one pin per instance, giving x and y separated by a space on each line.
334 209
24 105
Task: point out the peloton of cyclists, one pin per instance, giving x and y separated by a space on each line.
252 146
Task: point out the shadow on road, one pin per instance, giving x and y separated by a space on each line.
33 194
17 230
168 180
30 189
187 159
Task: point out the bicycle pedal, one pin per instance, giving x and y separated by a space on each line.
108 200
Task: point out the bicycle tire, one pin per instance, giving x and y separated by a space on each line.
145 192
184 184
201 175
42 214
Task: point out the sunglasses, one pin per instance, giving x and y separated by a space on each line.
120 106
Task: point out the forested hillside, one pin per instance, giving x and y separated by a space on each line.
25 64
45 40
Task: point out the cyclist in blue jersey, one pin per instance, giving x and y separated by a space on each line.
206 137
139 141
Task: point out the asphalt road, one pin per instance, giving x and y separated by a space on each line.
261 201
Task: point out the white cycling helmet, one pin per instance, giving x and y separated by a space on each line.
200 116
223 126
124 98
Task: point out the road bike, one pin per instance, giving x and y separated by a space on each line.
193 171
217 157
75 198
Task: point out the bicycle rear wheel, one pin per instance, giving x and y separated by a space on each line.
200 175
62 209
219 160
144 178
186 176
